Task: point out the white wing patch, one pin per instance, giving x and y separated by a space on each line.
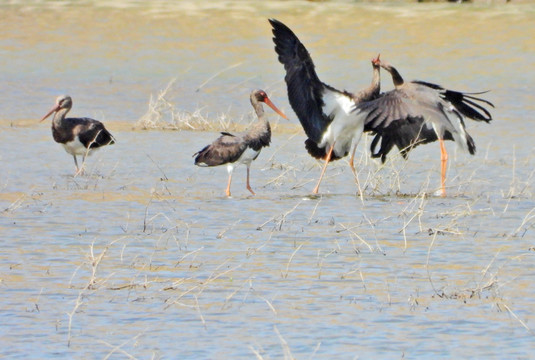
347 126
336 102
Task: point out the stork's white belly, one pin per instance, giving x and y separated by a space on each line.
248 156
75 147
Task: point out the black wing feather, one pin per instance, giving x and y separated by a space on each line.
305 90
226 149
405 135
92 133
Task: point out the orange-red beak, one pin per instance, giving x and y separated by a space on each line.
53 110
271 105
377 61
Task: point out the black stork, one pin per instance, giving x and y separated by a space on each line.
332 128
79 136
241 148
420 112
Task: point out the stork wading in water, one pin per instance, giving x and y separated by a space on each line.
332 128
79 136
235 149
419 112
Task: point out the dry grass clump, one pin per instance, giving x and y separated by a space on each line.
163 114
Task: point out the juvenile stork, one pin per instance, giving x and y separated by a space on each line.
79 136
241 148
419 112
332 128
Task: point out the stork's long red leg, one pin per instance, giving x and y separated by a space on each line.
444 165
228 185
327 159
352 166
249 186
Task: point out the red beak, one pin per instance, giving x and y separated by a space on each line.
53 110
377 61
271 105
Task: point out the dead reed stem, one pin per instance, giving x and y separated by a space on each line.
285 347
198 308
524 325
417 214
257 354
285 273
320 262
354 233
231 295
217 74
94 262
15 204
252 251
222 232
314 210
164 178
81 170
427 262
201 286
282 216
119 348
194 252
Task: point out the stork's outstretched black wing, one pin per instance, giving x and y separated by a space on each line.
305 89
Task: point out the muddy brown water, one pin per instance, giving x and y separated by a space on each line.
144 256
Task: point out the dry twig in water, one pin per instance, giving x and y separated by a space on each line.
95 262
285 274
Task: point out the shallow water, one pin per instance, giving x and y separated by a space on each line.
145 257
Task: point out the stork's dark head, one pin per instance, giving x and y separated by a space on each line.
261 96
62 102
376 62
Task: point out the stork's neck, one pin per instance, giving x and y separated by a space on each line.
396 77
259 132
375 86
259 110
373 90
59 116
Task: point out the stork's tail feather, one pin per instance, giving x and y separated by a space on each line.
387 143
471 144
406 136
103 138
112 139
201 156
465 103
382 151
316 152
